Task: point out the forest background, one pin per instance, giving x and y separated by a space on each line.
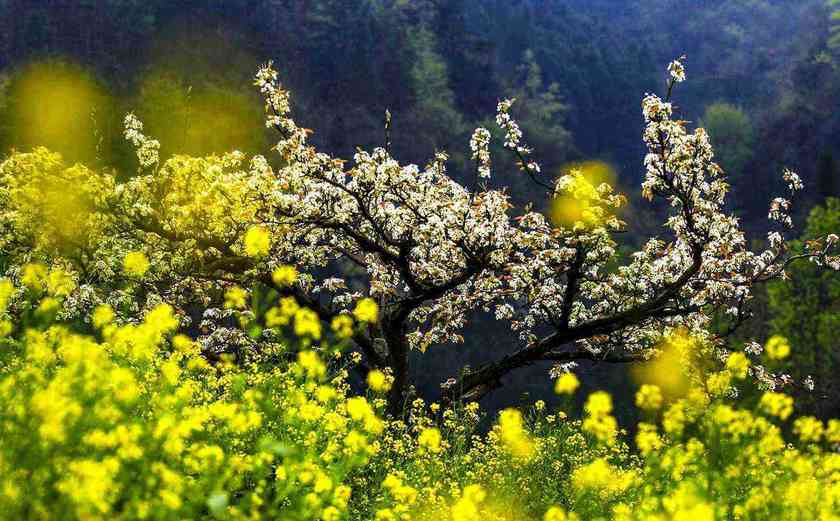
765 83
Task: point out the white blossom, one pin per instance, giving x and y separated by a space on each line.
479 144
677 71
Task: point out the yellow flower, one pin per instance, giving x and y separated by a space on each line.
429 440
48 306
366 310
6 291
777 347
467 507
236 298
649 397
599 423
102 316
307 324
378 382
604 427
361 411
283 314
402 493
342 326
135 263
323 484
599 403
331 513
60 283
808 428
358 408
647 439
184 344
568 383
385 514
514 436
257 242
719 383
738 365
555 514
832 432
675 418
596 475
284 275
162 318
686 505
312 365
33 276
776 404
670 368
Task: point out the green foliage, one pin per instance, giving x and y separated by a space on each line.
273 436
834 36
199 120
434 101
540 108
543 112
806 309
731 133
133 422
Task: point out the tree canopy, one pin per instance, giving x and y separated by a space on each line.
426 249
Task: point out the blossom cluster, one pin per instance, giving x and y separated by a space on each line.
108 410
427 249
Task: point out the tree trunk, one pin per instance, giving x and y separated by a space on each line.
398 362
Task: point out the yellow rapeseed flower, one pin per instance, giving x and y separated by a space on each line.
777 348
342 326
649 397
567 383
33 276
236 298
647 439
738 365
808 428
6 291
102 316
366 310
776 404
257 242
430 440
135 263
467 508
378 382
284 275
514 436
307 324
599 403
60 283
312 365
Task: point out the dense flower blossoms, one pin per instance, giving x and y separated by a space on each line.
428 250
108 410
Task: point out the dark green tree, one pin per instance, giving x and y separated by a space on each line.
827 172
806 310
732 135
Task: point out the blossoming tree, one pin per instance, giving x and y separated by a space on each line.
426 249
